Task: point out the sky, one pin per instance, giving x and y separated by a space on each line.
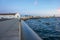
31 7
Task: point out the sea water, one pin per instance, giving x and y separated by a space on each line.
45 27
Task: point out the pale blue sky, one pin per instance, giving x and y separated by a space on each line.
32 7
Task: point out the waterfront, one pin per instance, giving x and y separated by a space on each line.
9 29
46 28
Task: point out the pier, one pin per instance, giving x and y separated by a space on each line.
14 29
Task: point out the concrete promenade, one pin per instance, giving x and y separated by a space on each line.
9 30
12 29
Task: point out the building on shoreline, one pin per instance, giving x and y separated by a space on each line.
9 15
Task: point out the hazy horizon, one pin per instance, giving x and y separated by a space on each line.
31 7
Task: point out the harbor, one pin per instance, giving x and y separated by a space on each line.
29 19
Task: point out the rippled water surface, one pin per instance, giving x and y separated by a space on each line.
46 28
